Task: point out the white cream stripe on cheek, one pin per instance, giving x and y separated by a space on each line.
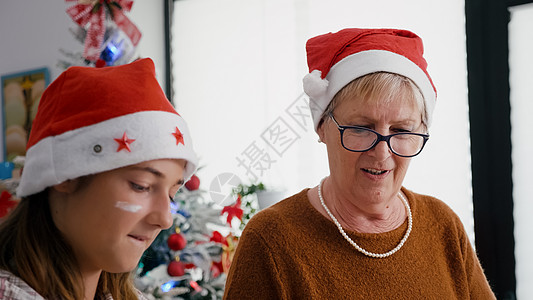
128 207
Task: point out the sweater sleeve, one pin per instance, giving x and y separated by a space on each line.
477 282
468 277
253 273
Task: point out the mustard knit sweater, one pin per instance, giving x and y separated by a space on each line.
291 251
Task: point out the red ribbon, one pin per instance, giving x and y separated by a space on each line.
234 210
92 15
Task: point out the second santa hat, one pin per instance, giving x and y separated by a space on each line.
335 59
92 120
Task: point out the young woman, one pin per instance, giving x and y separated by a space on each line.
106 154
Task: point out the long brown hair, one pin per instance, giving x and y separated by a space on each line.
35 250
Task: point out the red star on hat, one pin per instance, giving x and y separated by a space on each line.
124 143
178 136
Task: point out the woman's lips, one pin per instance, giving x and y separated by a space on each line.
138 237
375 172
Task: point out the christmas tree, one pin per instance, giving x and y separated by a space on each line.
190 260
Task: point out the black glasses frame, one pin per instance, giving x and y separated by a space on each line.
380 138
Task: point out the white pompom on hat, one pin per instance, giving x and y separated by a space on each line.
92 120
335 59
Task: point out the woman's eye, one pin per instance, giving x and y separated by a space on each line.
361 126
401 130
138 187
172 195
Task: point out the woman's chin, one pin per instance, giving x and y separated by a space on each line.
123 267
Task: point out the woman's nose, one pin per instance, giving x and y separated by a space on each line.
160 215
381 150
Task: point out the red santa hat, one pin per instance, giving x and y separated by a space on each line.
335 59
92 120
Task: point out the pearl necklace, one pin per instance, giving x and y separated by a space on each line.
365 252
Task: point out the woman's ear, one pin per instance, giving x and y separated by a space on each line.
67 187
321 131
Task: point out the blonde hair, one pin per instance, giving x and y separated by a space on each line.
35 250
379 86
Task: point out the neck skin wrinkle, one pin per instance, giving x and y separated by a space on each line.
377 218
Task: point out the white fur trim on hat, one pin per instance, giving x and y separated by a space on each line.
360 64
93 149
314 85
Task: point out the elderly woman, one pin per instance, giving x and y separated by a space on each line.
359 234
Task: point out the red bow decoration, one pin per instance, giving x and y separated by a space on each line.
217 237
233 210
229 244
6 203
91 14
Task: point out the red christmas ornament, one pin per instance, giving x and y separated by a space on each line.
175 268
193 184
176 241
100 63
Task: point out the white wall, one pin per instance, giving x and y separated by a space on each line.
239 65
520 79
33 31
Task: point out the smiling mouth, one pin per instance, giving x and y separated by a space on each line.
374 171
138 238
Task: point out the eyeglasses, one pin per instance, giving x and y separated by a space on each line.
361 139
